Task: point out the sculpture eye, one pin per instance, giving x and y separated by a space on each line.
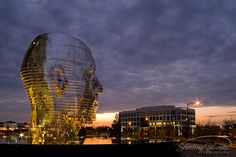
59 81
90 72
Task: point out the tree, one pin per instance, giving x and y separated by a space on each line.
116 127
82 132
209 129
227 122
229 128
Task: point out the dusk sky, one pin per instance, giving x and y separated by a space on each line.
156 52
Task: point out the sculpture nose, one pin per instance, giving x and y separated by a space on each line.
98 86
99 90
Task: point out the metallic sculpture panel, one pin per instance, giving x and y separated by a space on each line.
58 72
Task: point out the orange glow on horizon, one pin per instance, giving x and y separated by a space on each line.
104 119
204 114
216 114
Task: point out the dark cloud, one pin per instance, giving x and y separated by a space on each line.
147 53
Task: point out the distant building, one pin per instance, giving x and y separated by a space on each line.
24 125
1 126
10 125
157 122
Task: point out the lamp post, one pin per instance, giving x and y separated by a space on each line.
128 128
196 103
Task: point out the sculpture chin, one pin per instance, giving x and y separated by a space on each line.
58 73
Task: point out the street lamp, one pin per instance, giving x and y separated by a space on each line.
195 103
128 128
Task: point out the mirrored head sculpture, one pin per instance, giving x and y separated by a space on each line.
58 72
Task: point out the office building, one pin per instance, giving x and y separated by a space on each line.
158 122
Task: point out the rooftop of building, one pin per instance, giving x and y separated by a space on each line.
155 108
151 108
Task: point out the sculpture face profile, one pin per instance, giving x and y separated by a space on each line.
58 72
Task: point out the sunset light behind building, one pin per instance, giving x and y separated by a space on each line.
216 114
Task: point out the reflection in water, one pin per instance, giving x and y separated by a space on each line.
13 140
97 141
85 141
16 139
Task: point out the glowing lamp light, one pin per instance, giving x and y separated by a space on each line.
21 135
197 103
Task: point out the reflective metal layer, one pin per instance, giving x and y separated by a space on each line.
58 72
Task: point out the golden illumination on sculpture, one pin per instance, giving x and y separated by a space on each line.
58 72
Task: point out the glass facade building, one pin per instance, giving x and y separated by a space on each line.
157 122
58 72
